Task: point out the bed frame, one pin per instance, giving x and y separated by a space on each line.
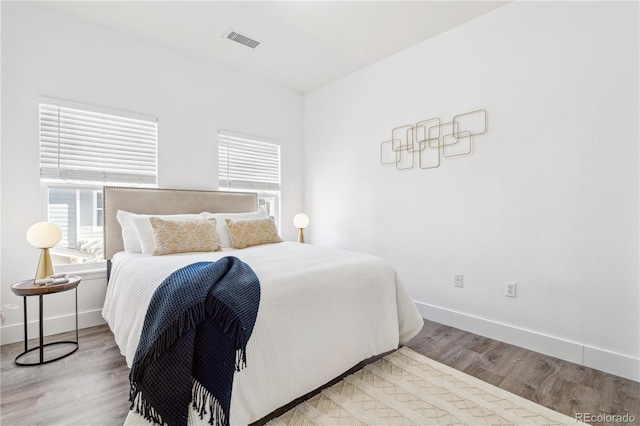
164 201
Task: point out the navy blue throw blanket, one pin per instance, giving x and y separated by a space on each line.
193 340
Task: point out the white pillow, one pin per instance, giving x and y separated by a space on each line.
129 233
145 232
224 237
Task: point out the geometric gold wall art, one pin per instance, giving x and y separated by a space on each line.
428 141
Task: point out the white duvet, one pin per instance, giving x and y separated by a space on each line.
321 312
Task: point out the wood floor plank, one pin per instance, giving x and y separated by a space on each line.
557 384
485 374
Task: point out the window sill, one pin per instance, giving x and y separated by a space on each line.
90 271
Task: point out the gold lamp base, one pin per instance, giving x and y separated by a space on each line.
45 265
300 235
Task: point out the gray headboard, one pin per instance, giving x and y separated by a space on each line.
165 201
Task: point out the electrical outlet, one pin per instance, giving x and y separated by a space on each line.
510 289
458 280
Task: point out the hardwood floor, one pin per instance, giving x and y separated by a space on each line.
91 386
560 385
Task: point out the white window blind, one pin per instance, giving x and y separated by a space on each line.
83 143
248 162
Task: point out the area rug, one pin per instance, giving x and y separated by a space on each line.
406 388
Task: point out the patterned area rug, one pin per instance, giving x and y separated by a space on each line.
406 388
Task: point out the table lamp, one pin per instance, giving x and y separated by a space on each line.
44 235
301 221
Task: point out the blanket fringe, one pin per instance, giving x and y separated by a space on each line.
230 324
201 399
143 408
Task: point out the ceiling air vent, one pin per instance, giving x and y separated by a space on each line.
242 39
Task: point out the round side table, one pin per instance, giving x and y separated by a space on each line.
26 289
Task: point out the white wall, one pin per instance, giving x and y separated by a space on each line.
48 54
548 199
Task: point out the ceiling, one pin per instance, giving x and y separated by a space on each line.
306 43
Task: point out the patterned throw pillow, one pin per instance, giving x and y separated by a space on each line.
183 235
224 239
253 232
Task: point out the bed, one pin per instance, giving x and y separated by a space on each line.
321 312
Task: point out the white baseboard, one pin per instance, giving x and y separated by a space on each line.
609 362
15 332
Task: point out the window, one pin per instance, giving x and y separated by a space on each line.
250 163
97 210
81 149
74 209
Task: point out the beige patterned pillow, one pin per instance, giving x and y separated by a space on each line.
183 235
253 232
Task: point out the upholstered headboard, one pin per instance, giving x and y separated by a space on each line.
165 201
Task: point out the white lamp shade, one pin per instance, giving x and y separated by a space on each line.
301 221
44 235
